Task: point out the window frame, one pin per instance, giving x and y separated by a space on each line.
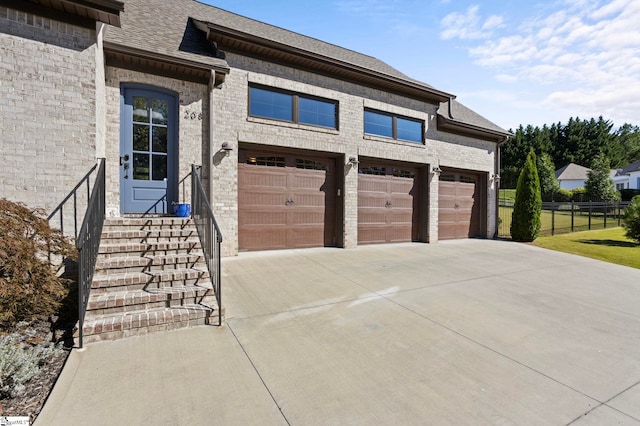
295 106
394 125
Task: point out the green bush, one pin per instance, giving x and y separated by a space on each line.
20 362
578 195
29 284
527 207
632 219
628 194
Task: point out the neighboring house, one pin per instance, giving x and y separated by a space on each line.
572 176
628 177
302 143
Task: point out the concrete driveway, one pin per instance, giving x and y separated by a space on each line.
461 332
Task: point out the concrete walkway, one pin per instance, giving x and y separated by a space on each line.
461 332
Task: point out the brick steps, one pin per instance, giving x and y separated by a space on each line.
118 326
107 282
150 276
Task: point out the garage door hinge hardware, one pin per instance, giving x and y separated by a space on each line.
289 201
388 204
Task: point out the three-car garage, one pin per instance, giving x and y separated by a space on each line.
289 200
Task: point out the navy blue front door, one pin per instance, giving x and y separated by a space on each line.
148 147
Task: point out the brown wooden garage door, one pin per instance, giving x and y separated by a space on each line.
285 201
388 203
459 205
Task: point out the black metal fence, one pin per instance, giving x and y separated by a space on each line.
208 231
88 244
563 217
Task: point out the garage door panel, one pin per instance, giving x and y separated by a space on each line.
255 240
263 217
261 178
285 201
387 204
458 206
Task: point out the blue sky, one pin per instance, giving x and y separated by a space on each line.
517 62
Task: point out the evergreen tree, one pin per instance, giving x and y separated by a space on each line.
527 207
546 172
599 186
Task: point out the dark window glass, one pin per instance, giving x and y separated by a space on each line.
293 107
373 170
159 170
266 161
393 126
409 130
140 137
403 173
310 164
269 104
447 178
140 109
141 166
316 112
378 124
467 179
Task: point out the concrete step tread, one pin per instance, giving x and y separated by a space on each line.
151 221
102 277
111 248
147 260
137 297
140 234
147 318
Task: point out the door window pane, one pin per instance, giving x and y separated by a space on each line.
140 109
378 124
140 137
159 111
141 166
269 104
409 130
159 167
159 141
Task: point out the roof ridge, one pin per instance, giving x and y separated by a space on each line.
306 36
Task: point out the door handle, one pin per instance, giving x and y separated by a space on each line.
123 159
289 201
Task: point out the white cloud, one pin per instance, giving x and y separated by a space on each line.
585 54
468 25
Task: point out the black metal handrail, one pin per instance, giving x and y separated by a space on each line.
208 231
73 196
88 244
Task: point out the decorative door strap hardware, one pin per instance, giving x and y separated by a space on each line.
289 202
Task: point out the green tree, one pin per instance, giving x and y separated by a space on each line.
527 207
599 186
632 219
546 172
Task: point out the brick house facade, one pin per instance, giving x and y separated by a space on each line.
88 82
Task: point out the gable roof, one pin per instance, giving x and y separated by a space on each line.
187 39
572 171
633 167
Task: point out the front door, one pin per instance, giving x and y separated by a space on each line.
148 148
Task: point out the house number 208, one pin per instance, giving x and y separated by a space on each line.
192 115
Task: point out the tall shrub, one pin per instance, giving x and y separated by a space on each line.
599 186
549 186
29 284
632 219
527 207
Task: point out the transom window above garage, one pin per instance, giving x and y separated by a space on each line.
267 102
393 126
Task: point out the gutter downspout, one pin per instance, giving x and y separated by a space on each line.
212 86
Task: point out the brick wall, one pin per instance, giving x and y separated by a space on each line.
47 113
234 126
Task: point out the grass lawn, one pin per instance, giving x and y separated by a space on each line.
507 194
609 245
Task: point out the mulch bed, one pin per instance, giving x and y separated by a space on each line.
31 401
